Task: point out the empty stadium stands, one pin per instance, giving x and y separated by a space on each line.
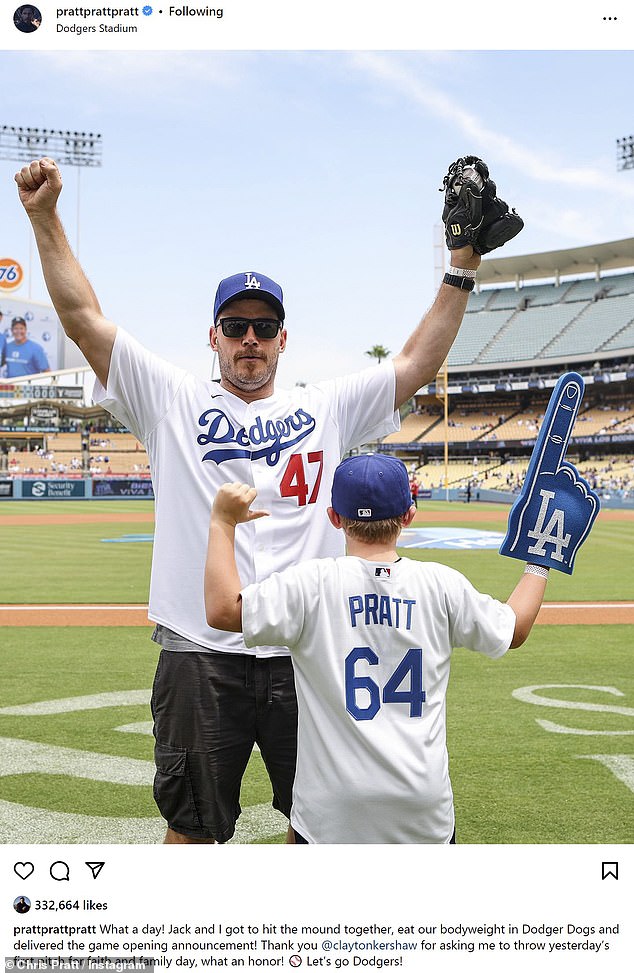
538 322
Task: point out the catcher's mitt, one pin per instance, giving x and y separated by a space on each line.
473 213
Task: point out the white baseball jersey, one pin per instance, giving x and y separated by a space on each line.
199 436
371 646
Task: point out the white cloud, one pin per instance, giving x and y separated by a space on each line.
505 148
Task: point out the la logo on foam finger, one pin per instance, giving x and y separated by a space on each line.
556 508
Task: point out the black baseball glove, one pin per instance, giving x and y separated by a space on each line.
473 213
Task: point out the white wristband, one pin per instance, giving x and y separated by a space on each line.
538 570
462 272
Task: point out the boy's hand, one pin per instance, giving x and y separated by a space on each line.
232 504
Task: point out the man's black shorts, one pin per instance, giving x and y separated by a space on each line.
209 709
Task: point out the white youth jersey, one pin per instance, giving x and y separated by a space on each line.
371 646
199 436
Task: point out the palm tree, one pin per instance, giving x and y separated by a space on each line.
379 352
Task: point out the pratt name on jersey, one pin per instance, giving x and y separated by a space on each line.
381 610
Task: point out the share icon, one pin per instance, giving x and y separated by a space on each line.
95 867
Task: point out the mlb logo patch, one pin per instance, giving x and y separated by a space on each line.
382 572
364 512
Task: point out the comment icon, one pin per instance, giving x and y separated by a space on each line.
60 871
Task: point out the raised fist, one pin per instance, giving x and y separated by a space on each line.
39 185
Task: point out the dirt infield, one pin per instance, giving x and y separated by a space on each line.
555 613
95 616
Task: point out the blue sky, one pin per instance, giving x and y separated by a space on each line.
320 170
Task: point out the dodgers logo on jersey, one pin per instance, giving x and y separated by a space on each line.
264 439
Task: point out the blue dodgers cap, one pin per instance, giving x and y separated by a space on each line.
371 486
252 285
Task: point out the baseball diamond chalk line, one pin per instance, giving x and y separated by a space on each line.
552 613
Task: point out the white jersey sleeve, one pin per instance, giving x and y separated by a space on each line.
476 621
274 611
363 405
141 386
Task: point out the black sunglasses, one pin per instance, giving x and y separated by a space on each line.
238 327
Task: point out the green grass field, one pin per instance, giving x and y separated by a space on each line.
60 563
80 768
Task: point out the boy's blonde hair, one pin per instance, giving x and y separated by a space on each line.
373 531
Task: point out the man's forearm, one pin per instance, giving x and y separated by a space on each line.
71 292
427 347
72 295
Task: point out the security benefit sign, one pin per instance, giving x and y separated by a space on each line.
556 508
53 489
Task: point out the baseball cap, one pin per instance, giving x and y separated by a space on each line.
371 486
249 284
18 320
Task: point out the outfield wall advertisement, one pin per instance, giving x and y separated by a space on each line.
76 489
53 489
123 488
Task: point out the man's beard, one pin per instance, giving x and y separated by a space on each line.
244 381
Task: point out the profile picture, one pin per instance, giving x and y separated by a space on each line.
27 18
22 904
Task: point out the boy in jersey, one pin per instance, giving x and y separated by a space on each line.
371 636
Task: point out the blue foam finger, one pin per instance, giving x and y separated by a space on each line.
556 508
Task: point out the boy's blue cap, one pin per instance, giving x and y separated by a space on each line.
249 284
372 486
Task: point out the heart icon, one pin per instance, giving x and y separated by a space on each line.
24 869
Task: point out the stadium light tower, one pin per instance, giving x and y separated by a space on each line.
625 153
68 148
79 149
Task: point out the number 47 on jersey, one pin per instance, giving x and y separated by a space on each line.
300 474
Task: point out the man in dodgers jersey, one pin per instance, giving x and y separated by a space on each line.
213 697
371 636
